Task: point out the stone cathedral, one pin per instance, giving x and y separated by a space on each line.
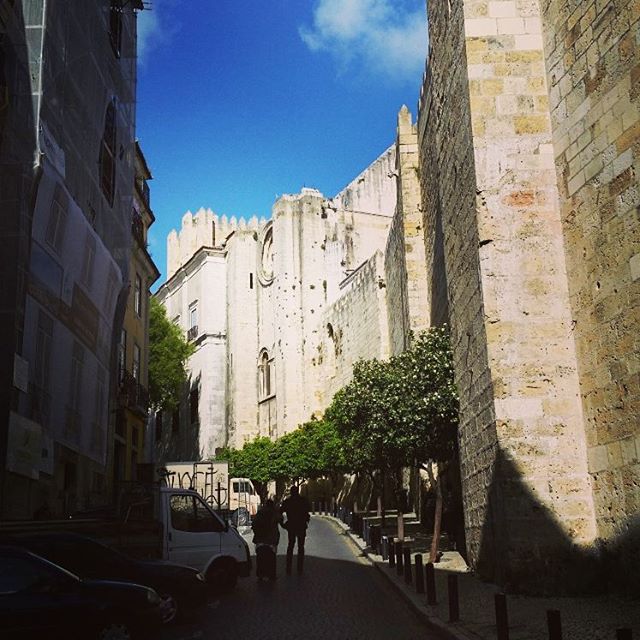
511 211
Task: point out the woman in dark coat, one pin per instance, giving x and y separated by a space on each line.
266 536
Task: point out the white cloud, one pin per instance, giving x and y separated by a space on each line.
153 29
148 32
387 36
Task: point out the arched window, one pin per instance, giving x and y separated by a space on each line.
264 375
108 154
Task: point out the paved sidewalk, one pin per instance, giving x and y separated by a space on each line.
585 618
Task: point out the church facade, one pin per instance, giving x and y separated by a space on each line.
280 309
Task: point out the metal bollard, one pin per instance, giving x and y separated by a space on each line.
454 602
554 624
624 634
375 539
502 620
392 553
430 576
384 543
419 574
408 578
399 558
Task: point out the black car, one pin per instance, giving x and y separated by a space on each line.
39 599
181 588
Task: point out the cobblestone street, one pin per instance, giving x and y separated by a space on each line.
339 597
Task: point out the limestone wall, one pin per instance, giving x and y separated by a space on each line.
409 207
395 277
487 129
448 190
593 74
372 191
242 337
203 229
354 327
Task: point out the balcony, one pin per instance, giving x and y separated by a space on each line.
133 395
192 334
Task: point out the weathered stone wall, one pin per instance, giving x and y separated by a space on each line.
354 327
487 135
448 191
242 337
593 71
409 207
396 283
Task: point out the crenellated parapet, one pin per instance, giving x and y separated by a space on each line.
204 229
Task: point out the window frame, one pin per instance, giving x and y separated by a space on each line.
108 146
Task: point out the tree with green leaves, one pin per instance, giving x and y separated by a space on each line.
168 355
402 412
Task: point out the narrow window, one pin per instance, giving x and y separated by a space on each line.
115 26
108 154
137 295
251 281
192 332
136 362
264 375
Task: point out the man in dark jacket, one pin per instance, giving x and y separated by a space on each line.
297 509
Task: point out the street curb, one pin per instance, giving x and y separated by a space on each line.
453 632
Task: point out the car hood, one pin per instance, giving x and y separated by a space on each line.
117 587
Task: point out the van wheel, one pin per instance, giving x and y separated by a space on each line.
222 575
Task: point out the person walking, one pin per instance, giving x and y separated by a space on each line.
266 536
296 508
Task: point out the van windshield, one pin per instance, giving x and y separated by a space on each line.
190 513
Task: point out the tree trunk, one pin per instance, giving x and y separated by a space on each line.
437 520
382 491
400 504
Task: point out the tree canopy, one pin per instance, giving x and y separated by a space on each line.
400 412
168 355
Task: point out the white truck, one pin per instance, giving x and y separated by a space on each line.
211 480
163 523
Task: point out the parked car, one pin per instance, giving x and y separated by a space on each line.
39 599
181 588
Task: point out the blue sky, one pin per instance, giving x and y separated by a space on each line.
242 100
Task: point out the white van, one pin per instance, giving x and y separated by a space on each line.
194 535
242 494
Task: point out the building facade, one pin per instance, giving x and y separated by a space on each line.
280 310
68 163
132 442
